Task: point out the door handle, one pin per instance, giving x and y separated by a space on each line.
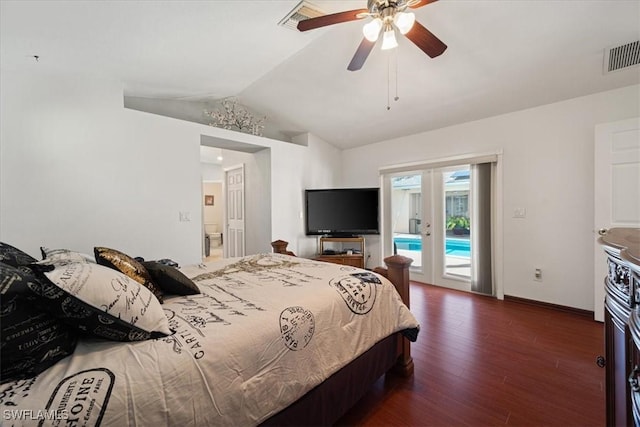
602 231
633 380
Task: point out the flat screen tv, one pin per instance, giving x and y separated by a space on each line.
342 211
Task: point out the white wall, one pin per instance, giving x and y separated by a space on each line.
211 172
78 170
320 168
548 170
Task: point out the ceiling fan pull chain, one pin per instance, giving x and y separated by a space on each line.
388 82
395 54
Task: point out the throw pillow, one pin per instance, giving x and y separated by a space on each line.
32 340
14 256
170 279
127 265
100 301
65 254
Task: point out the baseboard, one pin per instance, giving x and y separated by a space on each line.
572 310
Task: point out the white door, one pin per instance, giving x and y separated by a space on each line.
616 190
234 188
427 244
451 269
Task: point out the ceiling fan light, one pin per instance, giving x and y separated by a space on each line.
404 21
372 29
389 40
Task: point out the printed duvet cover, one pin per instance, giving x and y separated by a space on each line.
265 330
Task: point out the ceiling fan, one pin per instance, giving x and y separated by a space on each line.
388 15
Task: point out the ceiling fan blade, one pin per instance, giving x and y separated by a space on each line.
361 55
425 40
334 18
421 3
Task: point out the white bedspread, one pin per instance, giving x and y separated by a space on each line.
265 330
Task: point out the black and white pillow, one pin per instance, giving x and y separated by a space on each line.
31 339
100 301
65 254
13 256
170 279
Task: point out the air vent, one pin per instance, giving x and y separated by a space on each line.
619 57
304 10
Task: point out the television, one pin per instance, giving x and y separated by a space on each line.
342 211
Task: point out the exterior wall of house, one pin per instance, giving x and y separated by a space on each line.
547 169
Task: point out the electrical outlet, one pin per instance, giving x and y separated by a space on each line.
537 275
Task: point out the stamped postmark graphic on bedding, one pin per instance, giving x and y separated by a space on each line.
358 290
297 326
81 398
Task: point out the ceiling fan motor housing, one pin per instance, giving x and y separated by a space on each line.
378 6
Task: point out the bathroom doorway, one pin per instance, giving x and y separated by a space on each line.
212 218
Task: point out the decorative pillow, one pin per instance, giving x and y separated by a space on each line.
65 254
170 279
100 301
31 339
14 256
127 265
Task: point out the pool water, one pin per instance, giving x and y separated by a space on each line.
453 247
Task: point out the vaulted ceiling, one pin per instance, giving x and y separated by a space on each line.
503 55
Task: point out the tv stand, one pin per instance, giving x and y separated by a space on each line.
342 250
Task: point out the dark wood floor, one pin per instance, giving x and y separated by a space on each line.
484 362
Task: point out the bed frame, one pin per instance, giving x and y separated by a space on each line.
326 403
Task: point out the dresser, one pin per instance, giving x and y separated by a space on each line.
622 326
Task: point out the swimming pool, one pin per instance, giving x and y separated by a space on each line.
453 247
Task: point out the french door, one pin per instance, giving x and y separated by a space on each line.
422 204
441 218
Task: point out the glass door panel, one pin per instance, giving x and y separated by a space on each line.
410 221
457 242
406 217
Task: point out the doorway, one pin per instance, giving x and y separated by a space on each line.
212 219
440 215
431 224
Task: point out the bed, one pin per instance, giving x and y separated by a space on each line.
270 339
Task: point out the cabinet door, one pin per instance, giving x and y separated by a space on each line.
617 340
634 384
331 259
354 261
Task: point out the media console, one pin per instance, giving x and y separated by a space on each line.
342 250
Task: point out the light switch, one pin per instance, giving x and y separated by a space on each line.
519 213
185 216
